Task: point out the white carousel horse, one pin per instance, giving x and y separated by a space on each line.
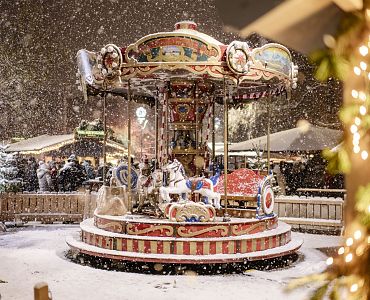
178 184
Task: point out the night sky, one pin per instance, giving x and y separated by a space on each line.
39 40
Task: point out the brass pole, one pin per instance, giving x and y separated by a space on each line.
268 132
167 134
226 150
156 128
105 136
129 146
213 136
196 117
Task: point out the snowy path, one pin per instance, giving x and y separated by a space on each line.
36 253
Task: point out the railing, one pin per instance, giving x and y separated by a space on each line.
46 208
316 213
311 213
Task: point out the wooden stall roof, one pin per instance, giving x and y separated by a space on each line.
47 143
40 143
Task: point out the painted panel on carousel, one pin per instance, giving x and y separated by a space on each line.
95 67
121 174
182 111
275 57
238 57
173 49
266 198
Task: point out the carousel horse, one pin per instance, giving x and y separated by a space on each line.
148 185
178 184
145 184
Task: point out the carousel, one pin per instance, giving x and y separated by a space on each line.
181 209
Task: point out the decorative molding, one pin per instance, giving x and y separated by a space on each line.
166 229
110 225
191 212
235 229
183 232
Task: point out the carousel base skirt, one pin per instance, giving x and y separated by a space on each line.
143 239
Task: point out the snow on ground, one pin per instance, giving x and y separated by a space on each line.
37 253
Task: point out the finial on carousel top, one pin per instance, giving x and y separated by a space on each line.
186 25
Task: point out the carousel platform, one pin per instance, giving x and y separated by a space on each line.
144 239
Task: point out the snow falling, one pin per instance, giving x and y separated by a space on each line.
39 41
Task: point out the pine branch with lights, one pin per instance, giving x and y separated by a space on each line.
348 273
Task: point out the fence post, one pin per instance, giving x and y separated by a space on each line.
87 203
41 291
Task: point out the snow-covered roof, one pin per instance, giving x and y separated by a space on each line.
40 142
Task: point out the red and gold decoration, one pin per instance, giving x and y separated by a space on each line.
206 229
238 54
192 212
187 51
143 239
183 74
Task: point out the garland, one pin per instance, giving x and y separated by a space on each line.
347 58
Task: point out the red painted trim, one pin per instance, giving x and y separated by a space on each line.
186 248
159 247
274 242
147 248
124 244
208 260
249 246
200 248
258 244
189 227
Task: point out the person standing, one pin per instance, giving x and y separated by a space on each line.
53 167
72 175
88 169
43 175
31 179
280 179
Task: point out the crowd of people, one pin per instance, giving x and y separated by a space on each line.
309 174
60 174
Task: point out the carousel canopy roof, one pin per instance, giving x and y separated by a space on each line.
187 54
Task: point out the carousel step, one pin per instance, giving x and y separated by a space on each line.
238 212
244 243
144 226
82 247
88 226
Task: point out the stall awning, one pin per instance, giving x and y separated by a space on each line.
47 143
41 144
